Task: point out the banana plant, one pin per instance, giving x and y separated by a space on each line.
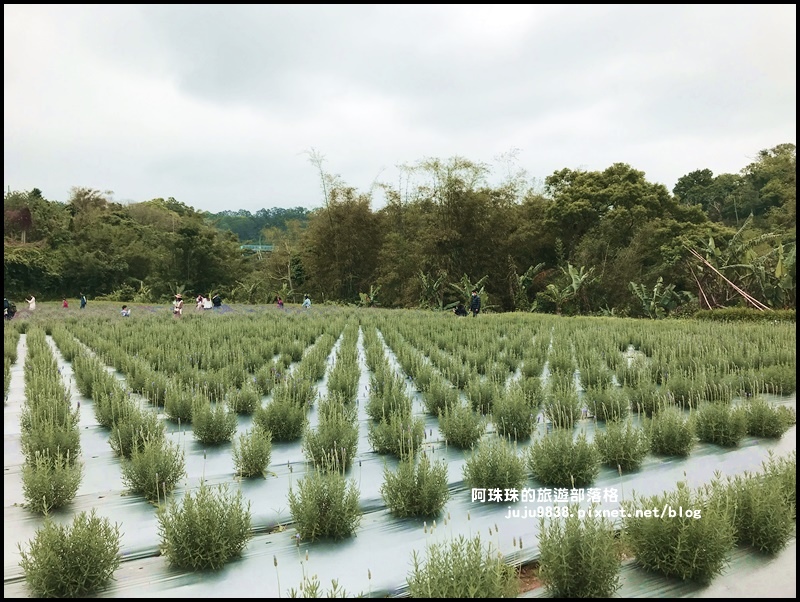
579 278
431 294
520 284
558 296
657 304
465 286
370 299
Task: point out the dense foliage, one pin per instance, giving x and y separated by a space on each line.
584 243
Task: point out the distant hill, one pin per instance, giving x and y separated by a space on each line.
249 226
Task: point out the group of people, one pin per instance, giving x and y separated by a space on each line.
306 302
474 306
203 302
31 301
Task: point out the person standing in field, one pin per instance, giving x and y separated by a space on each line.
83 301
280 303
31 303
64 303
475 303
306 302
126 312
177 306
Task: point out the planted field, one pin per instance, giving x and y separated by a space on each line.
261 453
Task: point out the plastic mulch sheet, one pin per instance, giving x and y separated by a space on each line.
383 545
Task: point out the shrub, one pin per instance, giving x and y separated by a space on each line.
438 396
482 393
389 399
134 429
686 392
417 487
608 403
780 379
595 375
397 434
513 415
333 444
763 518
155 388
721 424
206 529
213 425
252 452
325 506
267 377
244 400
297 389
532 388
86 369
178 403
622 445
718 389
532 366
579 556
461 426
423 378
155 469
781 474
562 407
767 420
286 420
50 482
343 379
495 465
706 538
560 460
462 568
670 433
49 435
71 561
111 403
645 398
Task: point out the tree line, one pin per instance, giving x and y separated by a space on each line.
584 242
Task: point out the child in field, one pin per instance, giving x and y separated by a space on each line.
126 312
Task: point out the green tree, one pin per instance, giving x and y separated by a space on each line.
341 245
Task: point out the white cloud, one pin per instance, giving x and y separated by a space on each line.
216 105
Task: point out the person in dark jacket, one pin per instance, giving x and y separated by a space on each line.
460 310
475 303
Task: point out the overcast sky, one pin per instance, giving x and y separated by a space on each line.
218 106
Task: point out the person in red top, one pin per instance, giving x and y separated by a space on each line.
64 303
